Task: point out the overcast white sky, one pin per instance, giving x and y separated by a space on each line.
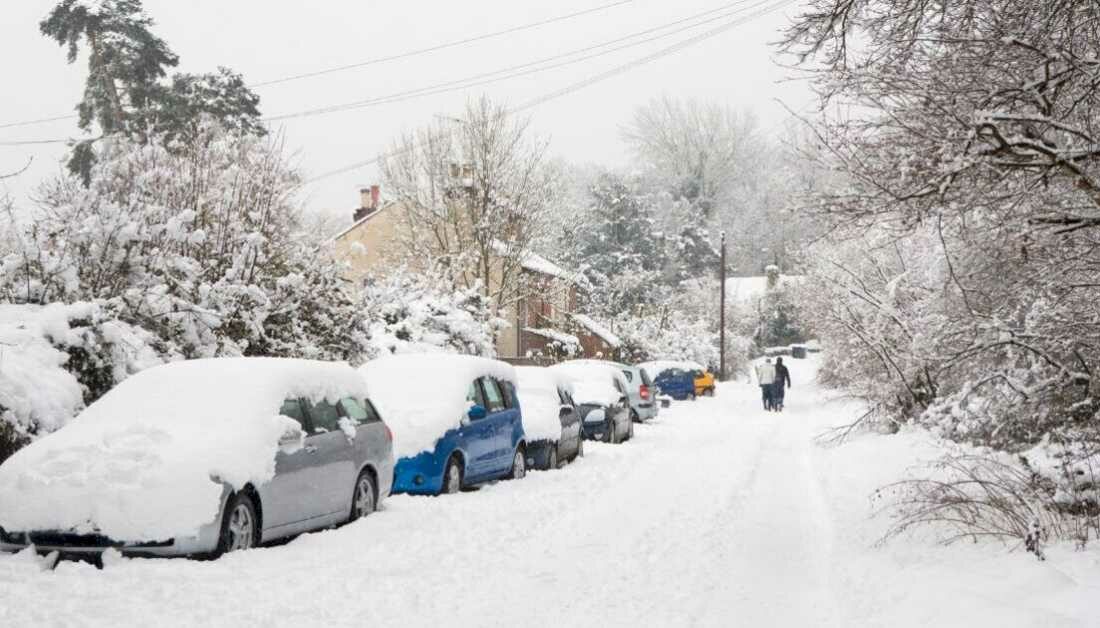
267 39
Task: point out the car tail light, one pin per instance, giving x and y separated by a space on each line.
643 390
389 433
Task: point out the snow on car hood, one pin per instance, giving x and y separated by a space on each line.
143 462
422 396
539 401
593 382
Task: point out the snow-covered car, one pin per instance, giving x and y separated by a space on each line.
199 458
456 420
550 418
600 392
673 378
639 390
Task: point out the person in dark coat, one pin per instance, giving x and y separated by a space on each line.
782 381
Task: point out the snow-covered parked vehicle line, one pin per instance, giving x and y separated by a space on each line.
199 458
456 420
550 417
600 392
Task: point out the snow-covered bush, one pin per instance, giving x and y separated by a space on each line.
195 243
56 358
418 312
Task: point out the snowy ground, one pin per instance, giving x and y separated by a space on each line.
717 514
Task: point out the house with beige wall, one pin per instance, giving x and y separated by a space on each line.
371 247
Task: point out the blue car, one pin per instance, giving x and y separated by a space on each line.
487 442
676 383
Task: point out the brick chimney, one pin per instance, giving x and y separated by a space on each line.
368 202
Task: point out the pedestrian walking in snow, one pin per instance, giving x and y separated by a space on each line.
781 383
765 377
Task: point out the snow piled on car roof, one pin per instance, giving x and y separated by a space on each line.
656 367
421 396
539 401
143 462
593 382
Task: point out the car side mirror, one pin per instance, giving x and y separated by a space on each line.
292 438
476 413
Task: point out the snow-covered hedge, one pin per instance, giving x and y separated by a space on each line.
55 358
419 313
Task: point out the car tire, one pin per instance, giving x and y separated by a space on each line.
580 449
364 499
612 433
240 525
709 392
452 477
519 465
552 458
635 417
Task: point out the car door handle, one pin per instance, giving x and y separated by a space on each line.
310 449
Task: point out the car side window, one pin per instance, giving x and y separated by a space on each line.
493 396
324 417
293 408
372 413
509 390
353 409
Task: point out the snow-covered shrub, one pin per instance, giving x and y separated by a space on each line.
420 312
56 358
195 243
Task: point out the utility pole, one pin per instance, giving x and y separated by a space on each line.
722 314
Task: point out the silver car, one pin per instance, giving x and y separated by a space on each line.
640 391
335 464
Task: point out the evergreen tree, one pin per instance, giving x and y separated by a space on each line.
126 91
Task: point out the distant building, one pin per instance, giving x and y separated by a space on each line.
538 322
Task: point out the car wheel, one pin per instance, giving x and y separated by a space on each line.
634 417
552 458
452 477
365 498
519 465
240 525
709 392
580 449
612 435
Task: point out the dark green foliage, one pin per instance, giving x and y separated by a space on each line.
126 91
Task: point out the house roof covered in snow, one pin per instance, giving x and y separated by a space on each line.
598 330
555 335
531 261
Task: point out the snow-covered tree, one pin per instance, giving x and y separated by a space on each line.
476 195
126 91
414 312
963 251
194 242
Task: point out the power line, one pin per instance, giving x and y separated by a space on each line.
379 60
573 87
526 69
436 48
33 142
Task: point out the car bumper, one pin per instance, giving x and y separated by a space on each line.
87 547
538 454
646 411
419 475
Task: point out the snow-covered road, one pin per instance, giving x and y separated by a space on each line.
717 514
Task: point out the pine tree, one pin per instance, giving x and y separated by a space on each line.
126 92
